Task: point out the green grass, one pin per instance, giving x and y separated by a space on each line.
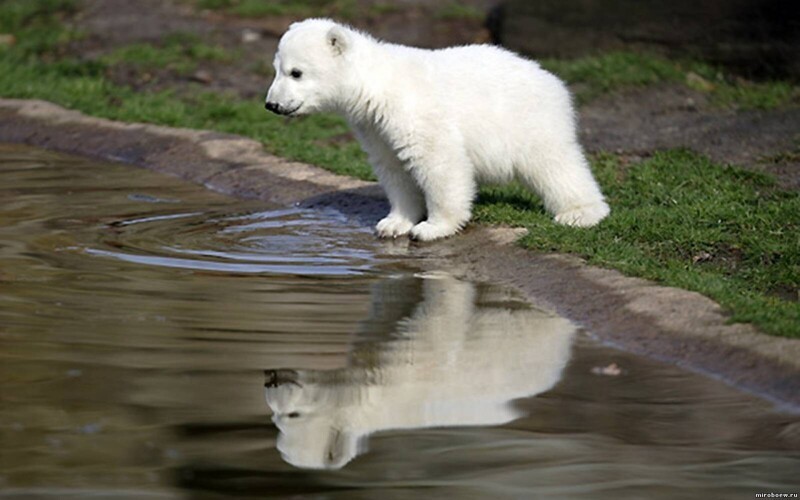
598 75
179 53
82 87
677 218
35 24
344 9
613 71
756 95
458 10
383 8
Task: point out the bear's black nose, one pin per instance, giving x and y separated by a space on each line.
273 106
275 378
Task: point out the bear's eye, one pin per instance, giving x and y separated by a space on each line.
296 74
294 414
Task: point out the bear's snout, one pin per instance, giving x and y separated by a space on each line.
277 378
274 107
281 110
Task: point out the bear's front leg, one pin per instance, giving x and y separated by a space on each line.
405 198
448 182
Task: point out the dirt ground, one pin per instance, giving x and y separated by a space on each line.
635 122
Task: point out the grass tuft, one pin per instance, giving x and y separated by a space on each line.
178 52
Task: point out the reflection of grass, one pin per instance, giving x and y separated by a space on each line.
180 53
676 218
601 74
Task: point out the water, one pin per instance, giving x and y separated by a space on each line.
141 319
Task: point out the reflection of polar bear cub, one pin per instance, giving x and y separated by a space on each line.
436 122
452 362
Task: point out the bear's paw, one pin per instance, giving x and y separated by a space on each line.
427 231
393 226
583 216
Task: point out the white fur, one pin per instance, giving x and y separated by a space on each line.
435 123
459 359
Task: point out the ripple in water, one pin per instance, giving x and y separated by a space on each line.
291 241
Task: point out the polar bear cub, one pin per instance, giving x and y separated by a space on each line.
435 123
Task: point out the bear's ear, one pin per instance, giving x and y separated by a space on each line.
338 40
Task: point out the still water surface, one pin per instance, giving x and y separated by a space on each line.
161 341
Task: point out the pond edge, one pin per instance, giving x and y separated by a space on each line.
633 314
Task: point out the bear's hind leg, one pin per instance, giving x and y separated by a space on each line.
564 181
583 215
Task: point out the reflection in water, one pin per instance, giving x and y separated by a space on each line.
458 359
124 375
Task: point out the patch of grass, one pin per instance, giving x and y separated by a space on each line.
597 75
383 8
178 52
756 95
344 9
214 4
613 71
263 68
790 156
82 85
458 10
36 25
681 220
91 93
677 218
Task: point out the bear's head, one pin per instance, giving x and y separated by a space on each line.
310 67
315 423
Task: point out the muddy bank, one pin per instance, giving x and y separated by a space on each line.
669 324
